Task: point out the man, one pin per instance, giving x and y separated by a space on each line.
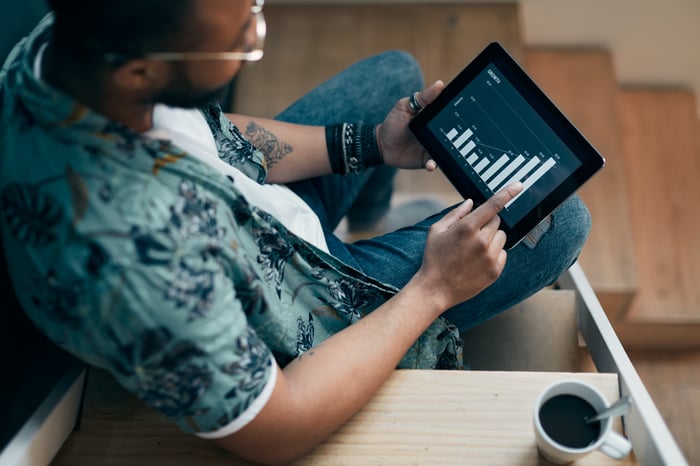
147 236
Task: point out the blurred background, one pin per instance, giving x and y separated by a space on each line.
627 74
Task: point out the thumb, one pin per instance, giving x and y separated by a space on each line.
430 93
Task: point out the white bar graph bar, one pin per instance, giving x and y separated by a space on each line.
494 168
506 172
468 148
472 159
481 165
527 168
532 179
451 135
463 138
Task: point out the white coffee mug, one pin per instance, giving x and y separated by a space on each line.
608 441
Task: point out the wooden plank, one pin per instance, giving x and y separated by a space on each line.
466 418
582 83
659 128
663 333
418 417
309 43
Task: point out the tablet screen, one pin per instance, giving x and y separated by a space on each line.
497 138
492 126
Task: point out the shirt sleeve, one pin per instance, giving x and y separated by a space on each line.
148 281
250 412
177 336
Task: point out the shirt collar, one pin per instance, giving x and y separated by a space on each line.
38 62
47 105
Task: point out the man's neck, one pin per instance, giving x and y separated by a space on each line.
95 92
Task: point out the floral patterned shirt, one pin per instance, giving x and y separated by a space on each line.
143 260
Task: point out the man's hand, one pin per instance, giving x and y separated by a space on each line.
398 146
464 251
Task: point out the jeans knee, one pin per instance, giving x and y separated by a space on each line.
404 69
572 225
578 217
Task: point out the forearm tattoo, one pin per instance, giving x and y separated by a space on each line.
272 148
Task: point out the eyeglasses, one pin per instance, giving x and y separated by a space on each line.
254 54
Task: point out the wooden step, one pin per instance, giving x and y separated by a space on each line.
662 160
673 381
582 83
307 44
662 333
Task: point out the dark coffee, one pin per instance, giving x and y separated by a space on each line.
563 417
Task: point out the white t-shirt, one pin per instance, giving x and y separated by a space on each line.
188 130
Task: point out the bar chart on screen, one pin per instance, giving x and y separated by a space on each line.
498 171
499 139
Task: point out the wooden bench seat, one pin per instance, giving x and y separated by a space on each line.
418 417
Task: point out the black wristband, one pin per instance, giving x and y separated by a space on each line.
352 147
334 144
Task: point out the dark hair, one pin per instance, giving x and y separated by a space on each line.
90 28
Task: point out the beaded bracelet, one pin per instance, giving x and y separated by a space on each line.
352 147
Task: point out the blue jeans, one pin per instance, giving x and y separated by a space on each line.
367 91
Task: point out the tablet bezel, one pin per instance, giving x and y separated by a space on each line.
494 54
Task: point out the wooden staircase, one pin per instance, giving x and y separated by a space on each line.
662 160
641 257
582 84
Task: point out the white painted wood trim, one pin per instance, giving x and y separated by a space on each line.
44 433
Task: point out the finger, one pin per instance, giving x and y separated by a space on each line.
497 249
502 259
453 216
490 230
428 163
489 209
430 93
492 225
499 239
425 96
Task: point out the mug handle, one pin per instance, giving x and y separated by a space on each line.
616 446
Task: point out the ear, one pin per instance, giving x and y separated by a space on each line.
141 75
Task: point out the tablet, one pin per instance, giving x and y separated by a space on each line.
491 126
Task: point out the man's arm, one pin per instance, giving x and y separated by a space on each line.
292 152
297 152
324 387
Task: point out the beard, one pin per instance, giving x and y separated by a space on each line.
190 98
181 93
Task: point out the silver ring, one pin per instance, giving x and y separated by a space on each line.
413 103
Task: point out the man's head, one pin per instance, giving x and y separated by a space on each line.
88 32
